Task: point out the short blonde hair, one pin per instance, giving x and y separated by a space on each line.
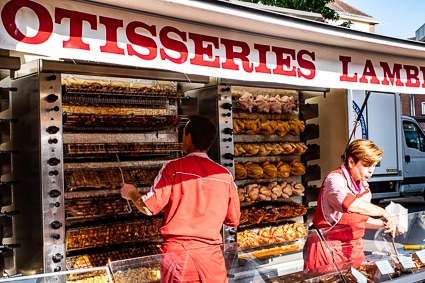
364 150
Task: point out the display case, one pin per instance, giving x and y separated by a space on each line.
87 275
387 259
403 261
147 268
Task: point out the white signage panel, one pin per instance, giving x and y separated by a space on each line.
84 31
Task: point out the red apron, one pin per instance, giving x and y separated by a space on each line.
339 245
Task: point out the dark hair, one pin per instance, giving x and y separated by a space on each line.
202 130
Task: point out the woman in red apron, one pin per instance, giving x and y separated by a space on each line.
344 210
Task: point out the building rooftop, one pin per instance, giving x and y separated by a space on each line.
348 11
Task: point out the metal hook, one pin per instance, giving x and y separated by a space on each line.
129 209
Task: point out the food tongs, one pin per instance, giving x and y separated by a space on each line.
129 209
329 248
394 247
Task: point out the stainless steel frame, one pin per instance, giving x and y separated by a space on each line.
37 136
216 102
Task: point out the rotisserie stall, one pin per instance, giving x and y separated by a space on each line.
73 132
82 130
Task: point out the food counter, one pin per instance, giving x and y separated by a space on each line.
401 259
405 263
405 260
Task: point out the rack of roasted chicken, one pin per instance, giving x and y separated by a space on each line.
114 131
151 148
100 235
106 175
260 100
86 86
124 106
102 118
268 170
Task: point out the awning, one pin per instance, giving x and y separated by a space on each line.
213 38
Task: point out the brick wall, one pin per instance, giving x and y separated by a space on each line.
405 104
405 100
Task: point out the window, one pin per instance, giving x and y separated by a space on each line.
414 136
423 108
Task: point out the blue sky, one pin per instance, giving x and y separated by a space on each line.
398 18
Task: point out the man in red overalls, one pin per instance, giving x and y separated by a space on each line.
344 211
197 196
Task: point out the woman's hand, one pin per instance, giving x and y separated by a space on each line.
390 225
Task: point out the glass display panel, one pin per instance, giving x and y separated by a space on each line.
87 275
148 268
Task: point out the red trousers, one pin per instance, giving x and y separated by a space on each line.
191 261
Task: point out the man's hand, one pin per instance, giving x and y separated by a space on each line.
130 192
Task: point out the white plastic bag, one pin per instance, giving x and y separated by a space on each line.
400 213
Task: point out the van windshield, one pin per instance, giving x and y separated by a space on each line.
414 136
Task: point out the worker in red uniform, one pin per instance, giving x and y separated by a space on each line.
344 210
197 196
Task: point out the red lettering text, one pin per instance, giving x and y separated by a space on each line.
412 76
203 49
232 55
172 44
284 57
344 77
76 20
111 26
391 75
369 71
262 58
306 65
141 40
8 16
423 75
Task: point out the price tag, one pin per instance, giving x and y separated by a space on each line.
359 277
421 255
406 261
384 267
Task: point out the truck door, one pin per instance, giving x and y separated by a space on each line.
414 157
380 124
